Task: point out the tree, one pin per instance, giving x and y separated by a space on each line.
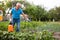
36 12
41 13
9 4
51 14
58 12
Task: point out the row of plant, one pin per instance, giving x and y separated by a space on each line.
44 35
33 26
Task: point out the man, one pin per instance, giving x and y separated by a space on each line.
15 13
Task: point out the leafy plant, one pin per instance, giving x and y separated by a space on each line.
44 35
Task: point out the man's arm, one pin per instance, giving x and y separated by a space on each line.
24 16
10 15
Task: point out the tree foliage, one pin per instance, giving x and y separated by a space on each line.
38 13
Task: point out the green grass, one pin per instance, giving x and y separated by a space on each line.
34 26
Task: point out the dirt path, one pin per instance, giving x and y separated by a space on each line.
56 35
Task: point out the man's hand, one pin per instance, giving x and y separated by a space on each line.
24 16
